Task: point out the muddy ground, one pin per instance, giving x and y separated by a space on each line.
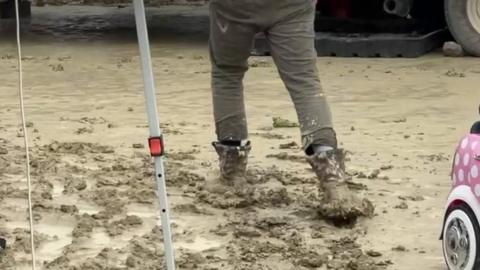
94 195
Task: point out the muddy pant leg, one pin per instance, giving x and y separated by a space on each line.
230 45
292 43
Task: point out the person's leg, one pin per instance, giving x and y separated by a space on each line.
293 50
292 43
230 46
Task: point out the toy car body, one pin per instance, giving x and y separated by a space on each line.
461 230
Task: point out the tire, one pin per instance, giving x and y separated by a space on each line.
464 23
475 128
465 215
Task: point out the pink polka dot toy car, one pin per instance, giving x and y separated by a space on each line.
461 230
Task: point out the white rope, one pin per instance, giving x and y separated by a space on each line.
25 133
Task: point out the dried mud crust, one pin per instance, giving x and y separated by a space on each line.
271 222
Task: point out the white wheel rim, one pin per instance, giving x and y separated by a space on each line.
473 13
468 264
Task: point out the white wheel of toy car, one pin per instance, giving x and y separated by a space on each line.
460 239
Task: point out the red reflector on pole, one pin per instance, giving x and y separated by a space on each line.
156 146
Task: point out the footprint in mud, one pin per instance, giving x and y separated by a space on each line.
346 253
109 198
242 192
192 209
116 228
141 252
77 148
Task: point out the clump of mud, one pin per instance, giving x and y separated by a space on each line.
290 145
7 259
346 213
287 156
18 245
279 122
84 227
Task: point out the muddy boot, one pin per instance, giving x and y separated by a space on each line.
340 204
233 160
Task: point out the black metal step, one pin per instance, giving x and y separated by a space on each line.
7 9
385 45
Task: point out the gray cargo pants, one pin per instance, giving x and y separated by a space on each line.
289 28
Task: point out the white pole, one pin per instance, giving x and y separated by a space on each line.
25 134
155 132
